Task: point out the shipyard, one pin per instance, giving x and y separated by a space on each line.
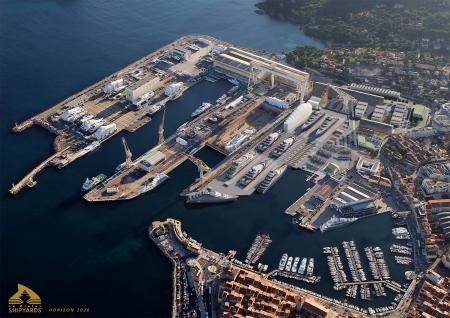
361 156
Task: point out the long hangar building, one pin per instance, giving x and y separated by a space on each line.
255 69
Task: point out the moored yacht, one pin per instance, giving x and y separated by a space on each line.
283 261
155 182
310 268
302 267
209 196
201 109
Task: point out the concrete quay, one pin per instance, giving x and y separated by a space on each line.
28 180
112 109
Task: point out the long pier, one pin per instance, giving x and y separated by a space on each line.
387 282
28 179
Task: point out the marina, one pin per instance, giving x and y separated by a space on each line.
354 262
381 277
336 267
377 263
258 247
401 249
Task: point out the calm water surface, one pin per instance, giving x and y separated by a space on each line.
97 255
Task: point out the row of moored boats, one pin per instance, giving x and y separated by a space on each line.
290 264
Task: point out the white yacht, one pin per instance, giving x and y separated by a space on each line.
336 222
155 182
209 196
302 267
289 264
295 265
310 268
205 106
282 263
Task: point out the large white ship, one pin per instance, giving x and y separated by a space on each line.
155 182
270 179
283 261
238 139
268 141
209 196
289 264
336 222
239 163
282 147
252 174
312 120
302 267
205 106
295 265
326 124
310 268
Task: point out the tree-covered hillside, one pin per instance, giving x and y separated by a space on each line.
401 24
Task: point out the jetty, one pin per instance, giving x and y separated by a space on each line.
28 180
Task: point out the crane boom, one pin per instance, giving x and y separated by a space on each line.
161 127
128 153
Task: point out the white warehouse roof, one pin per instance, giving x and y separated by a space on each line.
298 117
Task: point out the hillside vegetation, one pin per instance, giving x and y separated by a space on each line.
400 24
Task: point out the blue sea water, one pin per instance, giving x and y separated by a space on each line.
97 255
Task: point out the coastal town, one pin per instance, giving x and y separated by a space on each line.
374 145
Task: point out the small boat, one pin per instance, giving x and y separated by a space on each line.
210 79
90 183
154 109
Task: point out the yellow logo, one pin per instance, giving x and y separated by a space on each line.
24 301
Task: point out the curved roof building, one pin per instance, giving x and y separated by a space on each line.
297 117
